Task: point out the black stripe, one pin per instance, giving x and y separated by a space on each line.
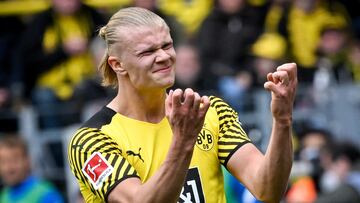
92 143
76 155
225 150
86 150
225 123
228 143
97 149
127 170
110 178
227 110
237 126
119 168
112 149
231 136
221 104
225 116
214 101
101 191
233 131
225 126
221 158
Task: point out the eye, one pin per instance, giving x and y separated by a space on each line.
167 45
146 53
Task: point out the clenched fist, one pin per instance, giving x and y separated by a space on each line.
282 83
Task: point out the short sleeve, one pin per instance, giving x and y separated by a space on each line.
97 162
231 135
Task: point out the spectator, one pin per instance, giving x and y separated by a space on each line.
332 55
188 68
269 52
341 182
224 41
189 13
354 61
55 58
310 17
15 173
309 165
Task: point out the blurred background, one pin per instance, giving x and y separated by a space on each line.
49 52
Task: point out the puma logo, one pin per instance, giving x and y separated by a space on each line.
131 153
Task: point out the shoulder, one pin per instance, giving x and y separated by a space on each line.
220 106
90 136
99 119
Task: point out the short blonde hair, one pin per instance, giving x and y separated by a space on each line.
132 17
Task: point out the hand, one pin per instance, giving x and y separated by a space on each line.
186 116
282 84
75 46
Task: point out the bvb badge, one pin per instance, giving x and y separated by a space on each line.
205 140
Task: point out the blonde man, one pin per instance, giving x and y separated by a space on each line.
149 146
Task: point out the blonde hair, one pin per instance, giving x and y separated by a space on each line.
132 17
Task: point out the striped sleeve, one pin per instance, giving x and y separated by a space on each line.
97 162
231 134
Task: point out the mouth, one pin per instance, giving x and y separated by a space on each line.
163 70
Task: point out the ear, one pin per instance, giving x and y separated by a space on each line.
116 65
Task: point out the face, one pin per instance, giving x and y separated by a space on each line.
66 6
148 4
231 6
306 5
332 42
14 165
149 58
187 65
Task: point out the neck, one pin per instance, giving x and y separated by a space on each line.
148 106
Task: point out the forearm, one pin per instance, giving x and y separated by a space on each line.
166 184
275 168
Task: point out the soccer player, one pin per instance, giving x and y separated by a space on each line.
149 146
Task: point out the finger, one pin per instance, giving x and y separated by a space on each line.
204 106
176 98
290 68
270 86
269 77
168 100
281 76
189 97
197 100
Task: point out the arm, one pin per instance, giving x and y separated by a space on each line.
186 119
266 176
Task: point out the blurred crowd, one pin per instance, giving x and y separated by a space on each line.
49 52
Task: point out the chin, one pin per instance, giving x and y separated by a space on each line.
170 84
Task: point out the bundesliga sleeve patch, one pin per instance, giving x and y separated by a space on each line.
96 169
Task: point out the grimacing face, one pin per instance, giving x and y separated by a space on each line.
149 58
14 165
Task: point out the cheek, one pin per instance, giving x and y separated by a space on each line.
172 54
140 71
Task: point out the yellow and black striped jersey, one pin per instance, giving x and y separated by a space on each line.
110 147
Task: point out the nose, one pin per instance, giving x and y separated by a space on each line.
162 56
